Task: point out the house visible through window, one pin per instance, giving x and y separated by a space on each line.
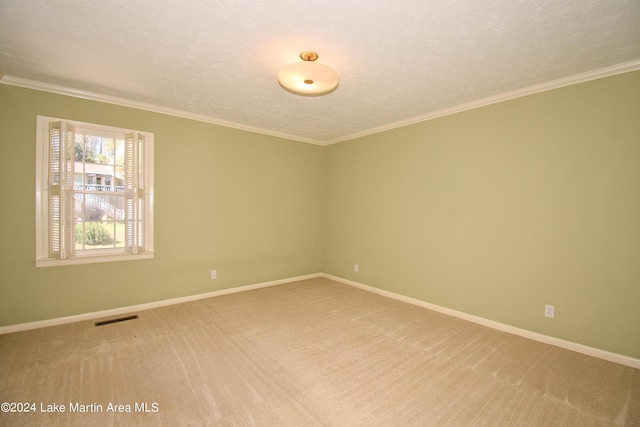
94 193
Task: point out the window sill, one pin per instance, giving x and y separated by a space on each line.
92 259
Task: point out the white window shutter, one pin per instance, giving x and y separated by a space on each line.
62 236
134 191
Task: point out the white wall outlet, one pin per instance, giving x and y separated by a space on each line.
549 311
356 267
214 275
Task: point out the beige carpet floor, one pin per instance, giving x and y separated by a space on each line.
310 353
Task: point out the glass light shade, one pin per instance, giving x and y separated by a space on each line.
308 78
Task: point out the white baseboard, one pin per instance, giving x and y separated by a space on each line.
568 345
139 307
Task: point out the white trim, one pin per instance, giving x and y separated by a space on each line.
93 259
529 90
41 187
557 342
139 307
506 96
94 96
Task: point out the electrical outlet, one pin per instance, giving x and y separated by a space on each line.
549 311
214 275
356 267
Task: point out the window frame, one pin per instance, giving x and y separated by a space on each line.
43 259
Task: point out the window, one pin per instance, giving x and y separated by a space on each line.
94 193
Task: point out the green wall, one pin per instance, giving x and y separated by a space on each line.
500 210
493 212
247 205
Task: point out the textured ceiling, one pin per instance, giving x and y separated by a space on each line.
398 60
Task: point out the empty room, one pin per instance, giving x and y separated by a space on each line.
305 213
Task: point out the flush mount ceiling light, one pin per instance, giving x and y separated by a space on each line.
308 78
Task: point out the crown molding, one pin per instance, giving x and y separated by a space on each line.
506 96
600 73
124 102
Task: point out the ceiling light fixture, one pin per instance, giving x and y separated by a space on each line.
308 78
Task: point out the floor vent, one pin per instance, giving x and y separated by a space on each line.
119 319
